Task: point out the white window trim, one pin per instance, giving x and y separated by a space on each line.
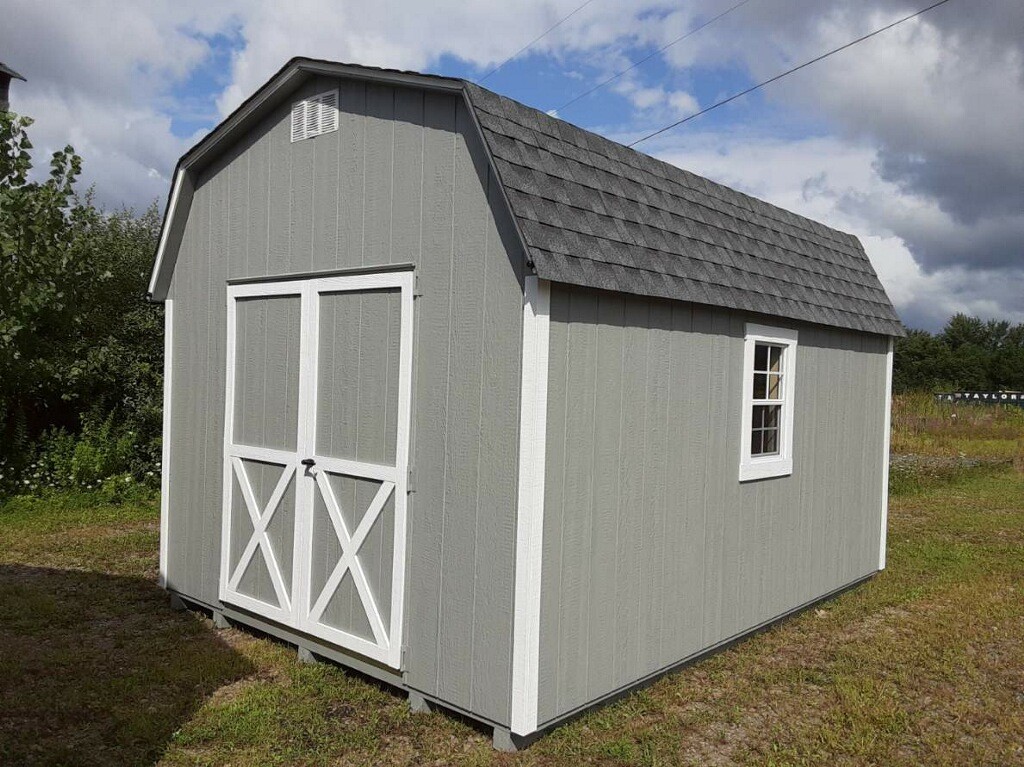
763 467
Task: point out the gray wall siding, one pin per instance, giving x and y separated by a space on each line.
404 179
653 550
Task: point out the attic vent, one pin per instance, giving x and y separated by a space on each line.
315 115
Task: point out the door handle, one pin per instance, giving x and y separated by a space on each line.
308 462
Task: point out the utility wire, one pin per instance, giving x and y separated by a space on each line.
650 56
787 72
538 38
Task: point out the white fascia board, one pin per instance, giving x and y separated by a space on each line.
169 218
530 511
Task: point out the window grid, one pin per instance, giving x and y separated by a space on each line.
768 399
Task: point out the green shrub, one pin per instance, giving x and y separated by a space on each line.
104 457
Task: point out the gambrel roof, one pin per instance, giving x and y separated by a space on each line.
595 213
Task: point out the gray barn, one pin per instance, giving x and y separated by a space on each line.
500 411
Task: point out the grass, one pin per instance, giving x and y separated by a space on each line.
922 665
921 426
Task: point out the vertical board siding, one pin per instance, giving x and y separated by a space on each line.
404 179
653 549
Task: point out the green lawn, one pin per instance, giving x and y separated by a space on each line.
922 665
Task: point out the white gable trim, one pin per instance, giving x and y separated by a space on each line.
161 248
530 514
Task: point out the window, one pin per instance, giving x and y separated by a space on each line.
769 364
315 115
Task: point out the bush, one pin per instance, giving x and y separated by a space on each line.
103 456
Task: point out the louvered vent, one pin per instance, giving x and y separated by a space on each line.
315 115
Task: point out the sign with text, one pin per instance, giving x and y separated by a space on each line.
983 397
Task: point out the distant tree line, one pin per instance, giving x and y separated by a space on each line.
967 354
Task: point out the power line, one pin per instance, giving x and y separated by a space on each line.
539 37
650 56
787 72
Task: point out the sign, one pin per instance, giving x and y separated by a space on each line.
983 397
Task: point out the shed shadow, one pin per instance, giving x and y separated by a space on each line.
96 669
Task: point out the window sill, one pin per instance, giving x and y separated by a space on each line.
753 469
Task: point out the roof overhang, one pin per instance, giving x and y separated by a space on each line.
244 118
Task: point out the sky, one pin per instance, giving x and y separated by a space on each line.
912 140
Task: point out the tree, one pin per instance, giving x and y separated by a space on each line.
969 353
77 341
921 362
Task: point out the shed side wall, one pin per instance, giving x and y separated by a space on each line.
404 179
653 550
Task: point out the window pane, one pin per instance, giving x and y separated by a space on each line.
776 359
766 416
770 441
755 442
760 385
774 386
760 357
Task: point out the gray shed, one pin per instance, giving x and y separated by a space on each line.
500 411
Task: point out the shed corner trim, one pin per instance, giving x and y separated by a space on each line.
886 436
165 448
530 506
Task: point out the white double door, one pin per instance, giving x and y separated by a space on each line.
316 448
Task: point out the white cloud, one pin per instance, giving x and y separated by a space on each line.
658 102
411 35
98 78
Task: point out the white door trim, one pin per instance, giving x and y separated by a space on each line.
530 509
299 610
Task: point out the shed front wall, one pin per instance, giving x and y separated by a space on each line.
404 180
653 550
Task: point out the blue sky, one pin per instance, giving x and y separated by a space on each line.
913 140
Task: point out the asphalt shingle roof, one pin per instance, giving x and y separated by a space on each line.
598 214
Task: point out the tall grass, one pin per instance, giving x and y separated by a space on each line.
922 426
